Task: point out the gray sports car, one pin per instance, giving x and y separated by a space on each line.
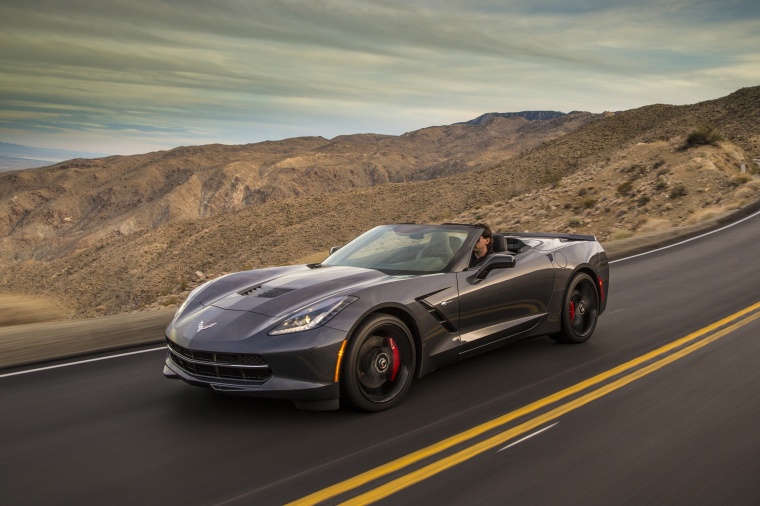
395 303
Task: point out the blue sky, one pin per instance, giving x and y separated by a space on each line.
136 76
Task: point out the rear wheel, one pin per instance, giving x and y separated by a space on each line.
379 364
580 310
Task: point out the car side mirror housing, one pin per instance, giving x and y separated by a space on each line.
495 261
334 249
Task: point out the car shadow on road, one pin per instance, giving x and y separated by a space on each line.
498 378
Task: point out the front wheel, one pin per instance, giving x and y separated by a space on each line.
379 365
580 310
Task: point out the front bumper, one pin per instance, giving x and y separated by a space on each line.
305 395
300 366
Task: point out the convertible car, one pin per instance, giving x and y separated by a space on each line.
395 303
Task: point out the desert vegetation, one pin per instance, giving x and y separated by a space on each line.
704 135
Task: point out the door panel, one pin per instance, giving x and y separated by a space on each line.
508 301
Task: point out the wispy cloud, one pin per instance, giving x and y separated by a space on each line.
141 75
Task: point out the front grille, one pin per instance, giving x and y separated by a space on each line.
199 355
220 365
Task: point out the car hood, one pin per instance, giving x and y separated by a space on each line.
284 292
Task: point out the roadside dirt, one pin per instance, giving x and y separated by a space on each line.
40 342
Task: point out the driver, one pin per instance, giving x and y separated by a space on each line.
483 248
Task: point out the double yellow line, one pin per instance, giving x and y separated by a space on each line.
658 358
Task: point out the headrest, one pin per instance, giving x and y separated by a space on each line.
498 243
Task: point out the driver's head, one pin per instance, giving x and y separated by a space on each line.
484 241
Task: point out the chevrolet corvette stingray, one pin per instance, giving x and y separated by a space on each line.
394 304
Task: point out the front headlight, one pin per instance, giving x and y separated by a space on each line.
312 316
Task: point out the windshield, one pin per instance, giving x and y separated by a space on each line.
403 249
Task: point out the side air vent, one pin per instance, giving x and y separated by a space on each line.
445 323
266 291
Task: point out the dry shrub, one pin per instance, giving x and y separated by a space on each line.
745 192
618 234
654 225
705 134
705 214
740 179
625 188
677 191
640 222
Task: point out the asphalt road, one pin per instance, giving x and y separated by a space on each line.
677 427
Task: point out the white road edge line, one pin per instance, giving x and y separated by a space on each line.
81 362
528 437
164 347
688 240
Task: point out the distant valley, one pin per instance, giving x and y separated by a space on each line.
19 157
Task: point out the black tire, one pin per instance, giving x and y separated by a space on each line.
379 364
580 310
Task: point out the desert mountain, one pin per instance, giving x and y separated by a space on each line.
47 213
619 175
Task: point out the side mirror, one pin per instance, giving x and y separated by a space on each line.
334 249
495 261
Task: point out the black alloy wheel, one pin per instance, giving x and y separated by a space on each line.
580 310
379 364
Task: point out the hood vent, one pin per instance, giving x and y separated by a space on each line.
267 292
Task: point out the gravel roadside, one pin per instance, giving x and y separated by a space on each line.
40 342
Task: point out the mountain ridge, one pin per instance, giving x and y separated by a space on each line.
528 115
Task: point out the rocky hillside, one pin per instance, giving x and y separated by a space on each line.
621 175
48 213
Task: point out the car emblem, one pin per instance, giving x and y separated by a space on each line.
201 326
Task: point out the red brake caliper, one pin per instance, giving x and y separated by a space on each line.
572 310
394 350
